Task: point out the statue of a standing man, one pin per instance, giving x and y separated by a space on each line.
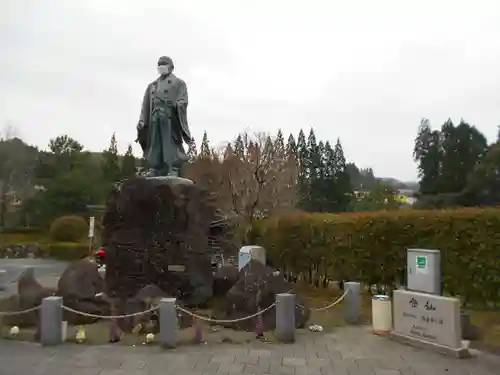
163 125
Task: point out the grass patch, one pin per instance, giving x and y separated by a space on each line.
488 323
333 317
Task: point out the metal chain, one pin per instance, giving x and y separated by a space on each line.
326 307
154 308
222 321
11 313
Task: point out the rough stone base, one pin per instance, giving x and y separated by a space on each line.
441 349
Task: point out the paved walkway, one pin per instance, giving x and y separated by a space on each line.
350 351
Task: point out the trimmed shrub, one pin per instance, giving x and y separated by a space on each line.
371 247
68 229
67 251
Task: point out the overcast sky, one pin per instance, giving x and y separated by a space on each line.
364 71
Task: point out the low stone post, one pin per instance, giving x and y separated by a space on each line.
51 321
352 302
168 323
285 317
3 280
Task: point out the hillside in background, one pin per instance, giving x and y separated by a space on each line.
361 179
396 184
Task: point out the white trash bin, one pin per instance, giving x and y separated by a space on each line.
381 314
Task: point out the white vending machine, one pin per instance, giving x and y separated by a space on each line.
248 253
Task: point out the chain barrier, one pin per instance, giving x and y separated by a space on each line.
223 321
12 313
154 308
340 299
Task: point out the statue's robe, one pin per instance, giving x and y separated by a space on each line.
164 116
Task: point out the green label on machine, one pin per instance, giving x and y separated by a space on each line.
421 262
422 265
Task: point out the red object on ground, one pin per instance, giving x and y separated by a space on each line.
100 253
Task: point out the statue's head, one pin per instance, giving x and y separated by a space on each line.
165 65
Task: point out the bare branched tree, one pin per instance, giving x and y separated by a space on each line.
257 180
16 169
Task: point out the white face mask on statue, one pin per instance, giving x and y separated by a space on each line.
163 69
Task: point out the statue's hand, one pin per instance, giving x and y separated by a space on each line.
140 125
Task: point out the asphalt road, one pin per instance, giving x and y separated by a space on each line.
47 272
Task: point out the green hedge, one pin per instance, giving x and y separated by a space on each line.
371 247
67 251
20 230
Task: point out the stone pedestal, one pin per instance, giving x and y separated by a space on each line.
156 231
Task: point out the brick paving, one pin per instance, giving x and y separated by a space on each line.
349 351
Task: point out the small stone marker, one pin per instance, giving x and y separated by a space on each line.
428 321
51 331
352 302
285 317
168 323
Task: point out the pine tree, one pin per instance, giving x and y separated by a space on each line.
343 188
205 147
239 147
329 183
463 146
128 167
319 186
279 143
110 164
291 148
427 153
313 155
302 170
192 152
314 160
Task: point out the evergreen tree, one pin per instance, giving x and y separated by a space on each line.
110 166
279 143
205 147
67 153
291 148
343 188
483 187
463 146
329 182
302 170
314 159
320 185
192 152
239 147
128 167
427 153
313 155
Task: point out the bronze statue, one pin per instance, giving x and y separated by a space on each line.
163 125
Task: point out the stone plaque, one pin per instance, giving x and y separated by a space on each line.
428 317
176 268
